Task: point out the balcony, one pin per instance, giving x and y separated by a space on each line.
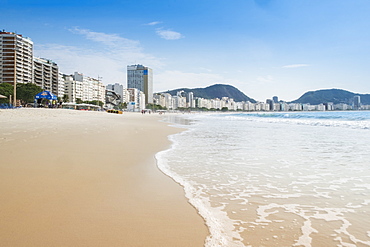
6 46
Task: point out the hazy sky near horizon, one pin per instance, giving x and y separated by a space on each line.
263 47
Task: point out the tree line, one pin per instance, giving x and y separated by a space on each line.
26 93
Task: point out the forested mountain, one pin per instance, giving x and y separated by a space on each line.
215 91
331 95
335 96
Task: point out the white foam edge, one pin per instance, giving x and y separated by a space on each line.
220 226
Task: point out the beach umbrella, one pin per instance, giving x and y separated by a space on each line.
3 97
46 95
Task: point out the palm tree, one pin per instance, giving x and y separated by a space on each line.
65 98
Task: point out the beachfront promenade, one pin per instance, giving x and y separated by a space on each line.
80 178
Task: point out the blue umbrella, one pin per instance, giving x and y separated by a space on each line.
46 95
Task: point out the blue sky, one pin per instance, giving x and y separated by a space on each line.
263 47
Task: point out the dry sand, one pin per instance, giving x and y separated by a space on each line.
71 178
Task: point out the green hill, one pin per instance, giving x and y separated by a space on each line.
215 91
335 96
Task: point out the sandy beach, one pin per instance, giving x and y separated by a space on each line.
72 178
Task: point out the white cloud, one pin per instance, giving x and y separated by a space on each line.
173 79
205 69
111 40
265 79
292 66
154 23
168 34
107 56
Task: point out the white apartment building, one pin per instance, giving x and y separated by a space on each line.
117 88
78 86
179 101
136 100
284 106
72 88
159 99
169 101
216 104
308 107
46 74
60 85
16 58
229 103
164 100
120 90
342 107
320 107
295 107
239 106
190 100
202 103
92 89
276 106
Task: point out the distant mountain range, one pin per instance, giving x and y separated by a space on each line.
335 96
215 91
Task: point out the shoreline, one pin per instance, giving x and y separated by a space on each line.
67 178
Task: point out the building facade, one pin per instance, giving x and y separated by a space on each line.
120 90
70 88
16 58
46 75
136 100
357 102
141 78
60 85
78 86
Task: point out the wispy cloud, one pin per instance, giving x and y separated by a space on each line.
165 80
153 23
168 34
107 55
265 79
112 40
292 66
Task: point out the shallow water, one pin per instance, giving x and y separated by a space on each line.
281 179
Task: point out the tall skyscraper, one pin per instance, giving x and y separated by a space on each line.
190 100
357 102
16 58
141 77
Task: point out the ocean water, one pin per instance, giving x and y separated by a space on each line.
275 179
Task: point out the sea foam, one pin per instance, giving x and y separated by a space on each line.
273 181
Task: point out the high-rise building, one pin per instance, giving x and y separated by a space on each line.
190 100
357 102
270 103
60 85
275 99
141 78
46 75
16 58
71 88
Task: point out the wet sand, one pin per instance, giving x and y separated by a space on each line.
72 178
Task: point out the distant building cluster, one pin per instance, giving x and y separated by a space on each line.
187 100
18 65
